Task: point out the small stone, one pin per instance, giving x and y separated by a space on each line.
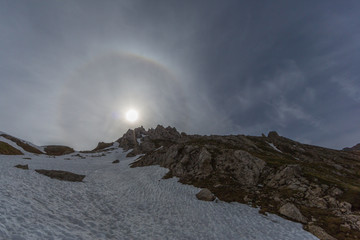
335 192
205 195
345 207
247 199
318 202
333 203
345 227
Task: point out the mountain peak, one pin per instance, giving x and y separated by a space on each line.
354 148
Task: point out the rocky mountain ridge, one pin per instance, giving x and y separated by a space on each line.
316 186
10 145
354 148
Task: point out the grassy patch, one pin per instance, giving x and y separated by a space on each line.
21 144
7 149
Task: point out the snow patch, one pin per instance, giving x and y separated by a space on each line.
158 148
274 147
119 202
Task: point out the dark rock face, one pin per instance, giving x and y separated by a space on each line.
7 149
205 195
273 134
194 162
319 232
61 175
316 186
25 167
142 141
354 148
101 146
57 150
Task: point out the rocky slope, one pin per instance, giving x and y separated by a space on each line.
354 148
7 149
21 145
10 145
316 186
58 150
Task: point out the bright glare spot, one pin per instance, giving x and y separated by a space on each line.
132 115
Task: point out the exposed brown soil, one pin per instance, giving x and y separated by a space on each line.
57 150
61 175
7 149
22 144
25 167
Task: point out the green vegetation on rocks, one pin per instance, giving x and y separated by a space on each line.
7 149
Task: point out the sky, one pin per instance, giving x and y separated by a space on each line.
69 70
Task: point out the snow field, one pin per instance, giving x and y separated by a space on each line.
118 202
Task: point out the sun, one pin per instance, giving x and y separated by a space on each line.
132 115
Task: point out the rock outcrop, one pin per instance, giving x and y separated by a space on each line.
57 150
101 146
282 176
319 232
142 141
61 175
354 148
25 167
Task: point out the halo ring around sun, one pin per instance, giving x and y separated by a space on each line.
98 94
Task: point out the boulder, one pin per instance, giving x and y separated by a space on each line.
291 211
345 207
61 175
25 167
319 232
285 175
205 161
243 167
205 195
116 161
318 202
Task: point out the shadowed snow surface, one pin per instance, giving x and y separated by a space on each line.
118 202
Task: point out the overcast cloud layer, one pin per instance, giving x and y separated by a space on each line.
70 69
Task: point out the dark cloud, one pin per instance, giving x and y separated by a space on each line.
68 68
